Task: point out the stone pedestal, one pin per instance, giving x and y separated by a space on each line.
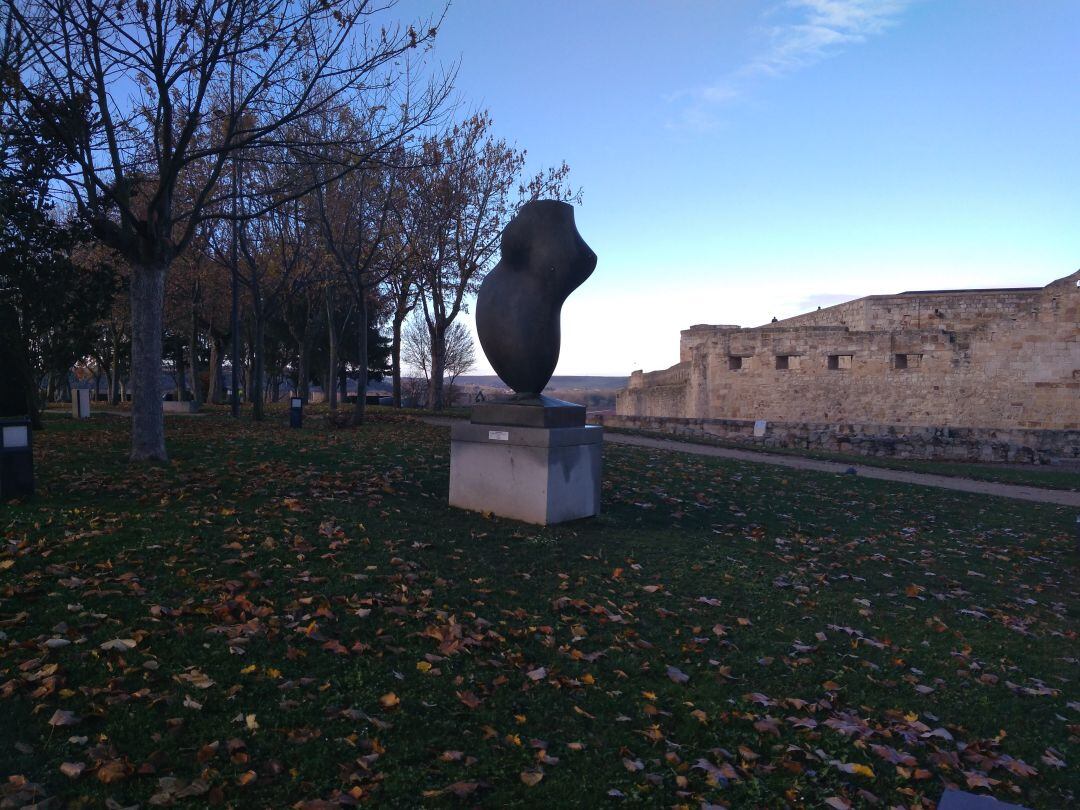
541 475
80 403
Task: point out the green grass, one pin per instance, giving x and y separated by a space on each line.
280 585
1022 474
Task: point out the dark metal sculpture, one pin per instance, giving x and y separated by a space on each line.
544 259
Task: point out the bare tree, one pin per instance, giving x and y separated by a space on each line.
462 195
141 94
459 354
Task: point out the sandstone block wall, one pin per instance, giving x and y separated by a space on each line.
979 359
899 441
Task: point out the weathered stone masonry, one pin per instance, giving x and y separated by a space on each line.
987 360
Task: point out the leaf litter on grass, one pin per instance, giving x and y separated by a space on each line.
309 622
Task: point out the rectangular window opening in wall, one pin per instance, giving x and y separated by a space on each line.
839 362
903 361
734 362
783 362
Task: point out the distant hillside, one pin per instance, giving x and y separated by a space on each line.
560 383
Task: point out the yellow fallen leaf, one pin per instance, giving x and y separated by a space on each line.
389 700
423 666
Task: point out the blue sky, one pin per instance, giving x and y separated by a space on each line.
742 160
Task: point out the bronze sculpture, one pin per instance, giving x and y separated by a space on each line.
544 259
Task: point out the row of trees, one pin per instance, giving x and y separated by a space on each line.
254 174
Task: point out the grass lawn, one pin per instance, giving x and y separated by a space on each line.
297 618
1049 477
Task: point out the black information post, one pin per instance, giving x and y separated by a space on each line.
296 412
16 458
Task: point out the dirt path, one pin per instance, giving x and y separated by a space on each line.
1023 493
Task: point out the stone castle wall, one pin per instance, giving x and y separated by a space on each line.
978 359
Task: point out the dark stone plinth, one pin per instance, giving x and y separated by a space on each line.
541 411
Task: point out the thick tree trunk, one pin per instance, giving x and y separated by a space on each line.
362 370
215 390
147 418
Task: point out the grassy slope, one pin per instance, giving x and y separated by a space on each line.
824 622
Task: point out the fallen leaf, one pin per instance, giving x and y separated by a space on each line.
63 717
119 644
532 778
72 770
113 770
677 675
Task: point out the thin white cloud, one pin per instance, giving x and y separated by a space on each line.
812 30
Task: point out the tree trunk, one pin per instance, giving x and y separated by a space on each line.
395 360
331 366
438 368
193 342
213 388
362 370
147 418
180 370
302 373
114 382
255 392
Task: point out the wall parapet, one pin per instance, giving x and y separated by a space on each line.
898 441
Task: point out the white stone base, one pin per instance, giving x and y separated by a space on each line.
536 475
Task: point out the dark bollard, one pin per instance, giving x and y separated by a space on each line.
16 458
296 412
